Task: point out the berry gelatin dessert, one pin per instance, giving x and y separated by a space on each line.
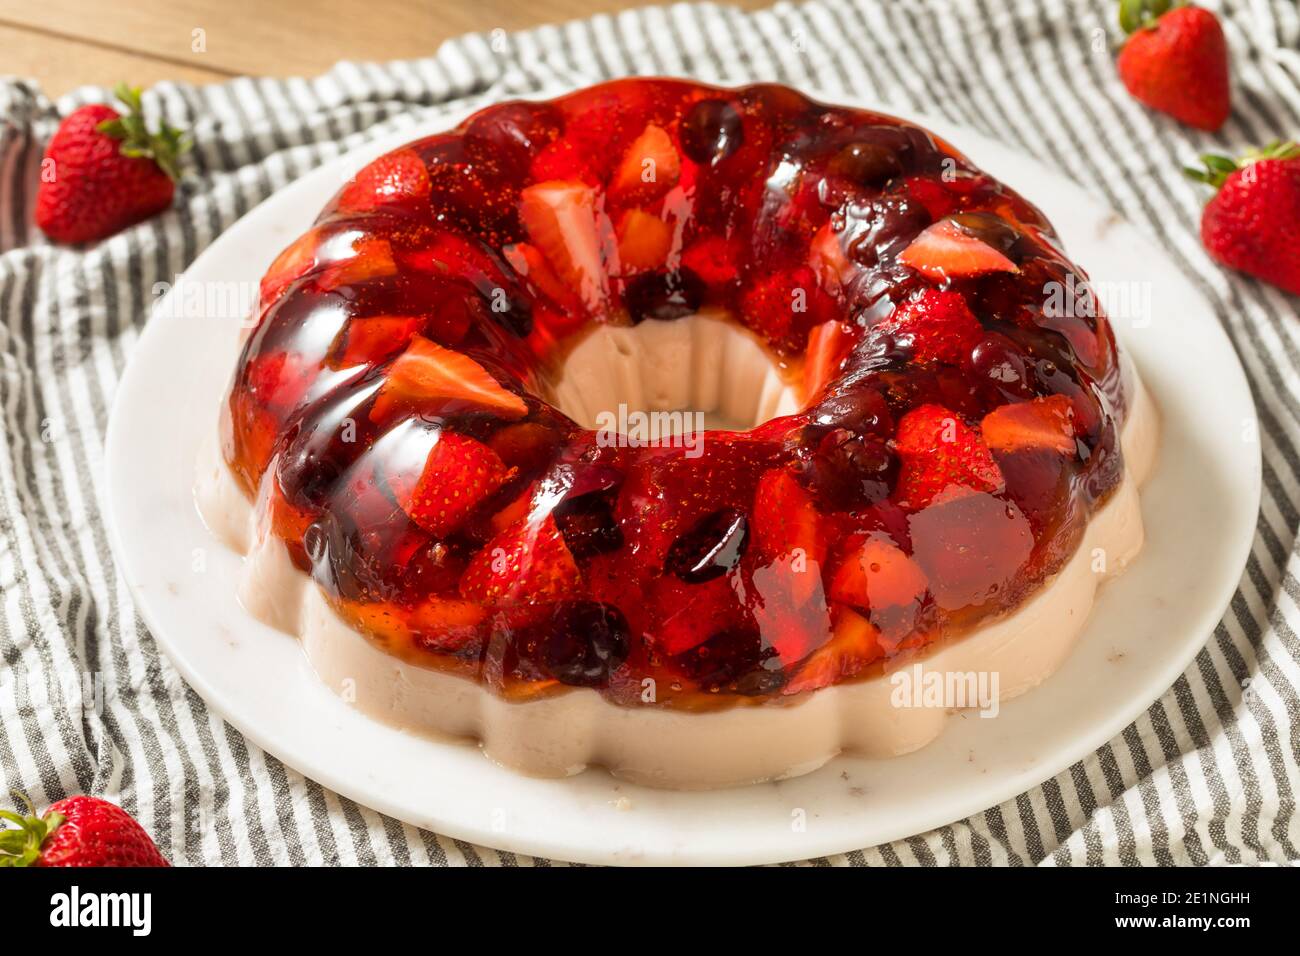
916 455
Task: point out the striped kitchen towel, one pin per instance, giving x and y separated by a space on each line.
1208 775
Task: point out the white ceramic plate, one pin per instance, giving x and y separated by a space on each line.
1202 501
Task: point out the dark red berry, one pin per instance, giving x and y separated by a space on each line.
736 658
511 134
585 642
588 525
867 164
850 471
664 295
711 131
712 548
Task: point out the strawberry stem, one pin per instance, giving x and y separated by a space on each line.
1219 168
1135 15
21 845
165 147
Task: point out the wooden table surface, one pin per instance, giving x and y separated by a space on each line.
66 43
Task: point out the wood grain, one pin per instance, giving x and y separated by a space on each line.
66 43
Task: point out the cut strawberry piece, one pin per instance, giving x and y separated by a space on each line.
516 511
828 344
826 256
561 219
528 446
291 264
878 575
946 251
786 523
784 306
561 159
527 260
1044 423
370 339
939 451
458 474
399 177
789 606
937 199
427 372
971 549
650 167
941 325
372 259
278 380
528 563
714 259
437 623
690 614
853 646
644 241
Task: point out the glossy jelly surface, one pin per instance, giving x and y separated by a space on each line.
963 393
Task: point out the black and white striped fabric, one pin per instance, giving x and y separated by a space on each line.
87 703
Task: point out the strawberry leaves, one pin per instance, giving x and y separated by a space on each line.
165 147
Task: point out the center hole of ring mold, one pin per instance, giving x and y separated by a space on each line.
659 379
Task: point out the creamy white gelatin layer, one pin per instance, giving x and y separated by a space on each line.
705 364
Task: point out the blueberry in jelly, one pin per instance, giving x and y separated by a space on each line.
588 525
862 409
514 313
849 471
512 134
664 295
585 641
1000 362
882 228
321 447
712 548
735 657
711 131
867 164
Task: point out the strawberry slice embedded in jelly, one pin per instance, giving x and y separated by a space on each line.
529 263
787 524
1044 423
785 305
427 372
371 259
828 346
878 574
939 452
826 256
940 324
946 251
397 178
458 475
854 645
437 623
714 259
527 563
644 241
369 339
971 548
650 167
937 199
561 219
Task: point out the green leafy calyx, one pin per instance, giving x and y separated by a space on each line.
165 147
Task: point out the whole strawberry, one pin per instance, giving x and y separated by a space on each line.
1176 61
78 831
1253 222
104 171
